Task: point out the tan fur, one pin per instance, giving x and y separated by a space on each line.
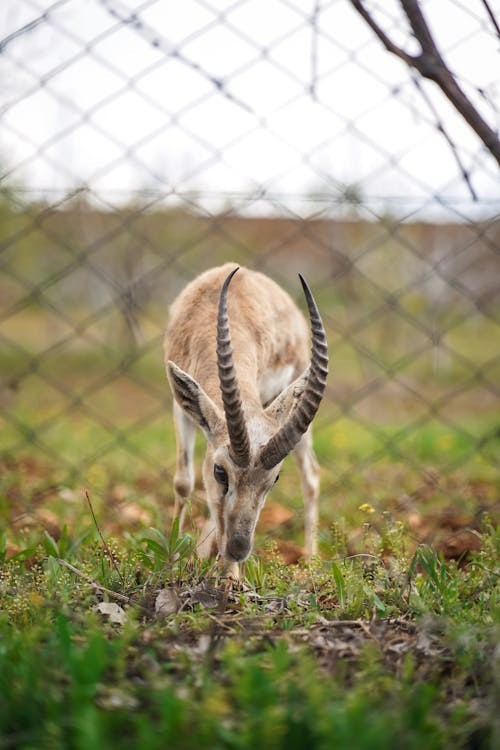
268 331
270 341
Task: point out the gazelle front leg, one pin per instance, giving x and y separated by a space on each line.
185 433
309 474
207 540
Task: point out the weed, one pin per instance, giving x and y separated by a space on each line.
379 641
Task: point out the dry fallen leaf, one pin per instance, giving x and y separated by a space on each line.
274 515
113 612
289 552
119 492
50 521
458 545
133 513
11 549
167 603
415 521
453 519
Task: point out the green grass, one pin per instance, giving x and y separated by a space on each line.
97 693
420 675
386 640
379 642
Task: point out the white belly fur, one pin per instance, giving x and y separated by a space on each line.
272 382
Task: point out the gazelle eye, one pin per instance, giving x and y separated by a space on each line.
276 479
220 475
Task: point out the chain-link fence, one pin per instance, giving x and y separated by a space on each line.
143 143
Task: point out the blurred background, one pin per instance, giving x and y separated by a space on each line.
143 142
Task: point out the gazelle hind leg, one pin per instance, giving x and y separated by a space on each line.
185 433
309 473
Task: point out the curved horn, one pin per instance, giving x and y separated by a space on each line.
290 433
235 419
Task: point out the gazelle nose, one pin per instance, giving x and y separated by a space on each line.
238 546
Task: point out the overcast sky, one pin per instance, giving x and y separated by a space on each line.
224 97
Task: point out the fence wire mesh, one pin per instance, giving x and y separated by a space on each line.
143 143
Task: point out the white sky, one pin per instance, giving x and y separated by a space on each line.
86 98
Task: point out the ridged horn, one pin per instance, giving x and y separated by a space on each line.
301 417
235 419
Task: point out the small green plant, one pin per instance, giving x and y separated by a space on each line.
159 552
340 584
374 643
255 572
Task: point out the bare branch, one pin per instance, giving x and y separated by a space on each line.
380 33
430 64
420 27
492 17
440 126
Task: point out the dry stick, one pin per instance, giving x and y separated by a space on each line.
430 64
221 623
94 584
108 551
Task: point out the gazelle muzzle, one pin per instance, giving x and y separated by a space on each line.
238 547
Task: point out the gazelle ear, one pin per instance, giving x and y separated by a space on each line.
193 400
280 408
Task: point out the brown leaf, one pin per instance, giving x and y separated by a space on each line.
289 552
50 522
274 515
451 518
458 545
119 492
416 521
11 549
135 514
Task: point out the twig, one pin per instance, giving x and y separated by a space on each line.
442 130
105 545
221 623
492 17
94 584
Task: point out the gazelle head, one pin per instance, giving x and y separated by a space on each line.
245 451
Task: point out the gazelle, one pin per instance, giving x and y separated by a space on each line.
239 369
